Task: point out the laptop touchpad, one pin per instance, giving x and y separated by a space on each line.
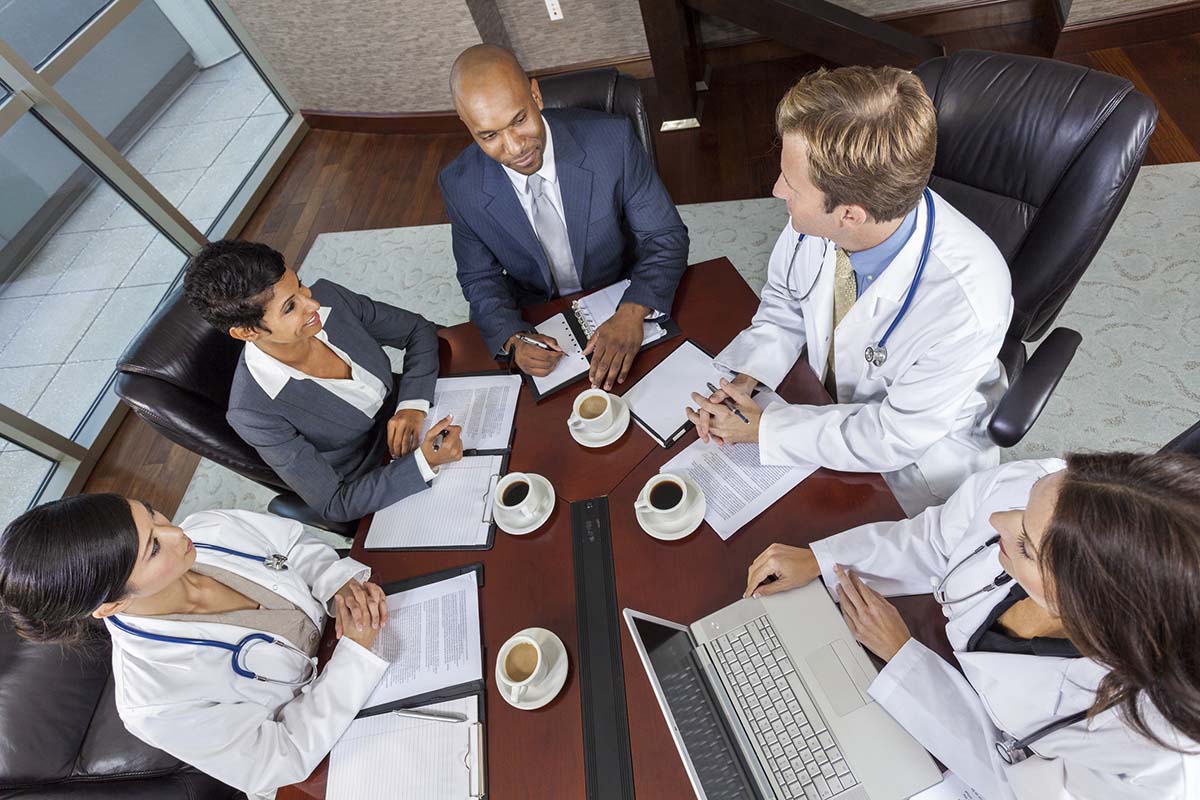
835 681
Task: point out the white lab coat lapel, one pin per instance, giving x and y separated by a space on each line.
284 583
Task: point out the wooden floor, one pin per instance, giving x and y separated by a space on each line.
352 181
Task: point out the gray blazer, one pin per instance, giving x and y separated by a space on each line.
328 451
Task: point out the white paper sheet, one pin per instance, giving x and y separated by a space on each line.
951 788
658 400
599 306
388 757
737 487
571 365
455 511
431 640
484 405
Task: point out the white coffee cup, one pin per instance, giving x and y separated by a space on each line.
664 499
522 666
515 505
592 412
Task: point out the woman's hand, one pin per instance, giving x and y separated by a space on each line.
404 431
365 605
344 622
449 448
781 567
872 619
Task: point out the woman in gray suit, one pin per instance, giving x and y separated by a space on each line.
314 392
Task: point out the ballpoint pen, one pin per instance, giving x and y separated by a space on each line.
431 716
732 406
534 342
437 440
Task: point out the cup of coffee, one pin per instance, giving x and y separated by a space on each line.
522 665
664 498
518 498
592 412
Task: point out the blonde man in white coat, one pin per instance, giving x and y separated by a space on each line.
858 148
1072 595
219 577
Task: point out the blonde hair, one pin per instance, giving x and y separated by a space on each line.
871 134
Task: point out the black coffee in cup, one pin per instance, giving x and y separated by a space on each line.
515 493
666 495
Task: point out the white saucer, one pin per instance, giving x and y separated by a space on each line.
555 654
684 527
521 530
619 425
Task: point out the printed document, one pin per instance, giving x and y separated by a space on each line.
455 511
431 640
484 405
737 487
389 757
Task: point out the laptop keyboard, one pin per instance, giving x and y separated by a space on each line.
801 754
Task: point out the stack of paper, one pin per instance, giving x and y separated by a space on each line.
455 511
484 405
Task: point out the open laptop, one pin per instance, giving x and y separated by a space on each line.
767 698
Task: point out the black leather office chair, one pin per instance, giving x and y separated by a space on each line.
1186 442
605 90
176 375
62 736
1041 155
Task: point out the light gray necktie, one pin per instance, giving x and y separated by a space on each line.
552 233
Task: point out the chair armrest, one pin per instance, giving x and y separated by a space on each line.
290 506
1022 404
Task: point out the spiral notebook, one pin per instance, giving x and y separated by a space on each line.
572 329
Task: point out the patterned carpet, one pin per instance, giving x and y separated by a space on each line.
1134 383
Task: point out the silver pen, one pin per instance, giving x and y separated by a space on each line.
430 716
534 342
732 406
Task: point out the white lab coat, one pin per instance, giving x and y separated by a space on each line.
186 700
958 718
921 418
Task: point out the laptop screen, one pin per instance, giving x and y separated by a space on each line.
701 726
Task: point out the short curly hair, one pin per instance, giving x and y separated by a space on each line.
871 135
229 282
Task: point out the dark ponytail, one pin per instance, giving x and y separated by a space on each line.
61 560
1122 552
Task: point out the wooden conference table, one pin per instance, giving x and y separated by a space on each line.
529 580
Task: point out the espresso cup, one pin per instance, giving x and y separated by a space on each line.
664 498
522 665
519 498
592 412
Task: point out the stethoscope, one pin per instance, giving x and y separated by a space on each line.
1011 749
238 651
877 354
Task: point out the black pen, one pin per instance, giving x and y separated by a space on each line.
437 440
534 342
732 406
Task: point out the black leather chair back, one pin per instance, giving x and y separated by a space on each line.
604 89
1041 155
62 735
1186 442
176 375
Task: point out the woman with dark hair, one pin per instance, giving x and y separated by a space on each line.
174 608
1072 593
314 392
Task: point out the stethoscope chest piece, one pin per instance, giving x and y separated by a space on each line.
876 355
275 561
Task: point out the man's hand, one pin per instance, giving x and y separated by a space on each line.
404 431
872 619
716 422
532 359
781 567
451 447
615 344
365 606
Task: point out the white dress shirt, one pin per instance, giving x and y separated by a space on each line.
362 389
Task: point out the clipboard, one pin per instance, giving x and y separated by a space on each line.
487 509
488 373
576 325
687 425
476 689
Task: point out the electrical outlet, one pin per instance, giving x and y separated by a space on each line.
555 9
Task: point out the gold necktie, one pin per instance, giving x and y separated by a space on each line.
845 292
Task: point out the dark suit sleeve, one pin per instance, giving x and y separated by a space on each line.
493 308
304 469
662 238
404 330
